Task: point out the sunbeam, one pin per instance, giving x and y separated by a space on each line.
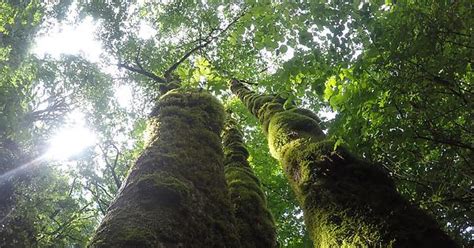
13 172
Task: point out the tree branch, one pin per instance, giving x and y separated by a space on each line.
67 223
208 40
167 74
110 166
445 141
143 72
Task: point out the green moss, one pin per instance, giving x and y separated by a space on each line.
163 188
136 237
175 194
255 224
266 112
235 170
347 202
210 109
258 102
288 126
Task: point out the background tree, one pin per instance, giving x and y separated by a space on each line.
40 205
397 74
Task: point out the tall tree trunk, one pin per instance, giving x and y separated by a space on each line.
347 202
175 195
255 224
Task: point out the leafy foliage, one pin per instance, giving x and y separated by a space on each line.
397 73
405 104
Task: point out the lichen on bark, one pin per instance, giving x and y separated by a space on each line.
347 202
175 195
255 224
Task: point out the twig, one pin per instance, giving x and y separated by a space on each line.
208 40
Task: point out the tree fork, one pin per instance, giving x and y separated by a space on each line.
175 194
255 224
347 202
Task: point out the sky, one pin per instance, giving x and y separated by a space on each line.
79 39
67 39
75 135
71 138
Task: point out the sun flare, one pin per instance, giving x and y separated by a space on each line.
71 139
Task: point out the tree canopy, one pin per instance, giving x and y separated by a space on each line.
390 80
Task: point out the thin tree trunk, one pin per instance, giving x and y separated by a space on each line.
175 195
255 224
347 202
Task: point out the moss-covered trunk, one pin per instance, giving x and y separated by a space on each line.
346 202
175 195
255 224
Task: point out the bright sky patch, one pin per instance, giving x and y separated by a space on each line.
71 139
69 39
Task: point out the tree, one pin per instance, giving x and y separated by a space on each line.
346 201
39 206
404 102
254 222
175 195
373 63
18 24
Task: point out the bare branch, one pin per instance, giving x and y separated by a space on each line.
137 60
143 72
110 166
72 186
167 75
210 38
445 141
67 223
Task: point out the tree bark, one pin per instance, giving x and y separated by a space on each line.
175 195
347 202
254 222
